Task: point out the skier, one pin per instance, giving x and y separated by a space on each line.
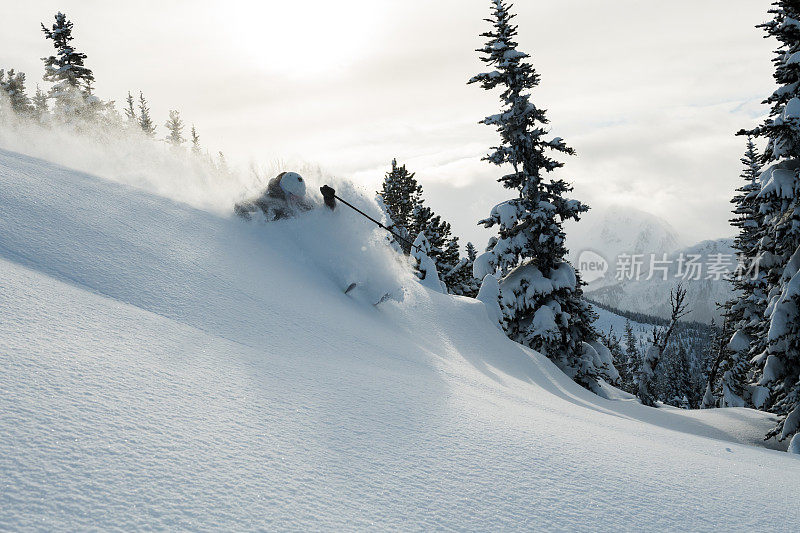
285 194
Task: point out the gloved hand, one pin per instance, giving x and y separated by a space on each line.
328 193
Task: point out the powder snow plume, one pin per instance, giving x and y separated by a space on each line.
118 152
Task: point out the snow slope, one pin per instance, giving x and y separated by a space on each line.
164 367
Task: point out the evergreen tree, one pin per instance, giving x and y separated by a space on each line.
145 122
677 377
130 110
464 283
13 84
443 247
451 266
40 108
195 138
435 229
779 212
632 359
745 311
458 277
425 267
422 220
618 357
402 196
174 126
541 292
472 253
71 79
630 341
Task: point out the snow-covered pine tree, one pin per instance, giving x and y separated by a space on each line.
71 79
451 266
422 220
468 284
677 376
489 294
709 400
444 251
630 368
451 255
618 358
145 122
541 292
745 311
13 84
779 208
130 110
402 196
463 282
39 100
195 138
439 235
645 379
174 126
425 266
472 253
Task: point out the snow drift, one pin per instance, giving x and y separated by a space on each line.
169 367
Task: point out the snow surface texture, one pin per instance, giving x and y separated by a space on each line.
164 367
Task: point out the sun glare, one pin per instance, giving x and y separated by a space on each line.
303 38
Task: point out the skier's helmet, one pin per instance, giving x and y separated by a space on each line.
293 184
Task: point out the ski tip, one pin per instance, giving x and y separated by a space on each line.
383 299
350 288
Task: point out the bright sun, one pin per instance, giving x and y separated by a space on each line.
303 37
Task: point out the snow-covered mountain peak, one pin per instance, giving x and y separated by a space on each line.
617 230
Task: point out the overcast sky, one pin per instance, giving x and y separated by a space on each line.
649 93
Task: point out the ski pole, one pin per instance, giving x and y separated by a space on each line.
328 193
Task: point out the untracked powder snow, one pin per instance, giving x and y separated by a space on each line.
168 367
